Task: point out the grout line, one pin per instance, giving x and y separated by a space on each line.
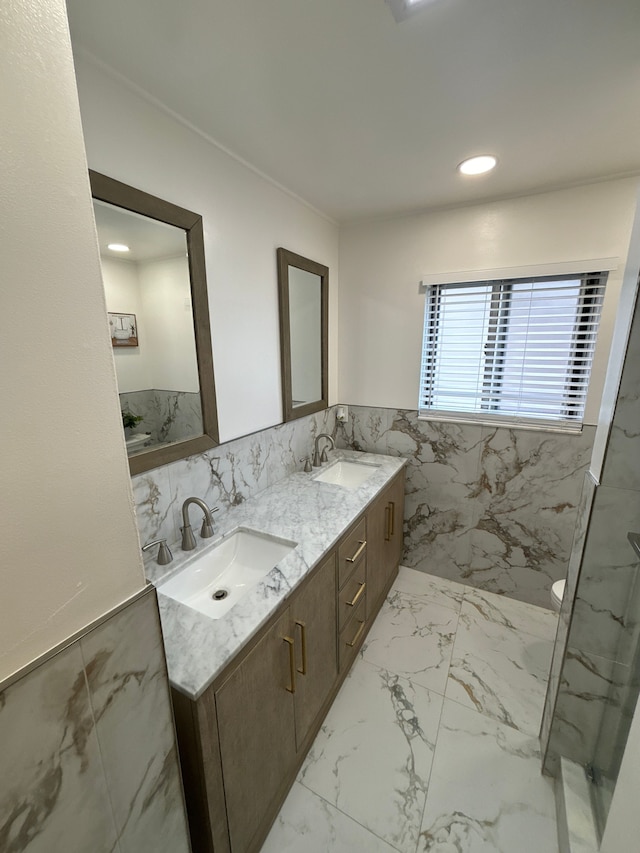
350 817
433 761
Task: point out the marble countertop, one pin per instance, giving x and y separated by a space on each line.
313 514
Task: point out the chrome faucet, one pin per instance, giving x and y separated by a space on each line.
317 458
206 531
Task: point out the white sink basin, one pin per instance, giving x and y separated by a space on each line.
218 579
136 442
348 474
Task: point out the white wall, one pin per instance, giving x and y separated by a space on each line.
123 296
68 539
246 218
381 263
170 338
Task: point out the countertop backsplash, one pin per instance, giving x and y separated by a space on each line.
225 476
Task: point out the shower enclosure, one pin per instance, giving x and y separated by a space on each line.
595 674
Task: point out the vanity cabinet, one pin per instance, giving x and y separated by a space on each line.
313 616
270 701
243 741
385 531
256 721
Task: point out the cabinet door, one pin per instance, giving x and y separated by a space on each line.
377 529
313 616
257 732
385 529
395 543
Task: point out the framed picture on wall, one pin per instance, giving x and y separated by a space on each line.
124 330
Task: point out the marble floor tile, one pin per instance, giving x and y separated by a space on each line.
307 822
372 757
413 638
486 794
499 671
430 588
519 615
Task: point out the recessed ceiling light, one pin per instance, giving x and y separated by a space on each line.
118 247
477 165
402 9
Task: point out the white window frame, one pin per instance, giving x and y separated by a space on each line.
497 287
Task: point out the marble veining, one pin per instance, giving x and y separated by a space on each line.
312 822
166 415
486 793
593 688
415 638
586 680
490 507
88 758
622 459
398 766
54 795
127 681
224 476
566 613
197 647
383 789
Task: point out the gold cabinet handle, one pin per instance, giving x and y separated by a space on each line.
356 598
387 523
292 664
392 516
357 636
303 642
363 544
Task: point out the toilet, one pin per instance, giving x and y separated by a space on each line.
557 592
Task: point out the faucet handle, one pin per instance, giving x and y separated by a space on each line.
324 458
206 531
164 556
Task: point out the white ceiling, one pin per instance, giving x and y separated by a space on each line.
148 239
362 116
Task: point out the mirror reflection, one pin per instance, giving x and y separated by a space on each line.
303 287
153 268
146 278
305 318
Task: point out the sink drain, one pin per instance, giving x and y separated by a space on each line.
219 594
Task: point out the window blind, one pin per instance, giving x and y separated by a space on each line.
511 350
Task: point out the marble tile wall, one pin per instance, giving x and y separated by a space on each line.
491 507
167 415
88 757
226 475
590 699
566 611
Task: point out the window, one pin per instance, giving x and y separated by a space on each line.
516 350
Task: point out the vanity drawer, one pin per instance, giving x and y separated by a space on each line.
351 636
352 593
352 551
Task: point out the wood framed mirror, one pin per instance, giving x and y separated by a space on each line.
303 289
153 269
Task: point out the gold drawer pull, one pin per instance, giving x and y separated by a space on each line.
356 598
357 636
292 664
363 544
392 516
303 642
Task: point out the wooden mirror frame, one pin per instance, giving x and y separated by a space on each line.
288 259
122 195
